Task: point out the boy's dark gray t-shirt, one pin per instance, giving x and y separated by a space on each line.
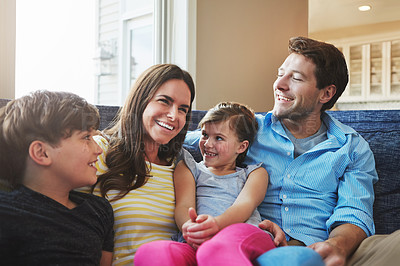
37 230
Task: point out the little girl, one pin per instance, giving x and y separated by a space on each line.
225 196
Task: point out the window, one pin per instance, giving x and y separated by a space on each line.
135 27
146 32
55 41
140 48
97 48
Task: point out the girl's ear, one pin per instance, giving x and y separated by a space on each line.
243 146
38 152
327 93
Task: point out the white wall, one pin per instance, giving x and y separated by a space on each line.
7 49
240 45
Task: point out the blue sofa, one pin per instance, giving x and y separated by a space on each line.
382 131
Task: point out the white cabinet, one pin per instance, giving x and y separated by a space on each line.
395 68
374 74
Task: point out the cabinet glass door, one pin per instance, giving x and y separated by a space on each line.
376 88
355 70
395 68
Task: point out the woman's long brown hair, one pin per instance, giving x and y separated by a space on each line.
125 158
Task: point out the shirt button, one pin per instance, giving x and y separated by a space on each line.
288 153
288 230
286 209
284 196
288 176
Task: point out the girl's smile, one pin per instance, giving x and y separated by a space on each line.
220 146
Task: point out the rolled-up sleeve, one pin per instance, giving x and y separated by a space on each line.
355 189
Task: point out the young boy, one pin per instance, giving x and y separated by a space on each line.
46 151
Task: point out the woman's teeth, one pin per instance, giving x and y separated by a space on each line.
164 125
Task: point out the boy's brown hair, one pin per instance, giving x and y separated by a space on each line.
42 115
241 120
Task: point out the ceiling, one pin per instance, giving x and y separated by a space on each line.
332 14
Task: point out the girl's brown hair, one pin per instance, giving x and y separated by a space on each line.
241 120
126 157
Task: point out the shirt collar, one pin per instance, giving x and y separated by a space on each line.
335 128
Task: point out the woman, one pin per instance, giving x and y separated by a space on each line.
224 192
137 164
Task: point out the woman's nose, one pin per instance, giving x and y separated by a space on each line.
172 113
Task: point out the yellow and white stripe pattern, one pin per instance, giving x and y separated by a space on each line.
144 214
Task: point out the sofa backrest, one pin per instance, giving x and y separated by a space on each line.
3 102
382 131
107 113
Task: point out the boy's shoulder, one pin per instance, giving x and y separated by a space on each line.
23 197
17 203
12 196
3 197
92 199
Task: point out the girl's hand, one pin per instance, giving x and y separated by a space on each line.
189 223
203 228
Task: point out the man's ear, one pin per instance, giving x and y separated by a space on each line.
243 146
327 93
38 151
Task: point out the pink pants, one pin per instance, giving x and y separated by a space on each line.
237 244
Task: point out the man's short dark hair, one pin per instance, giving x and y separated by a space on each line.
330 64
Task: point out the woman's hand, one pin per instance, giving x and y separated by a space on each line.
189 223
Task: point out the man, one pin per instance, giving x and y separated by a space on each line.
321 171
